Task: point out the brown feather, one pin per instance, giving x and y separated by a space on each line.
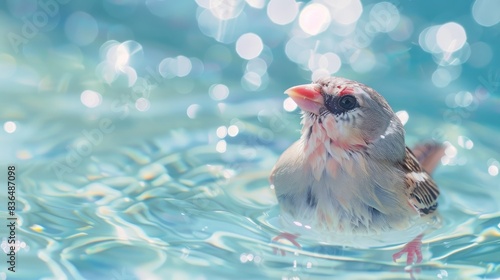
422 189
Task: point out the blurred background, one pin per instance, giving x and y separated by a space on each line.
143 131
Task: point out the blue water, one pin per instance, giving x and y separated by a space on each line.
143 132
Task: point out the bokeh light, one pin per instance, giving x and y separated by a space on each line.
384 17
447 42
233 130
218 92
329 62
282 11
345 12
493 170
427 39
190 78
450 37
142 104
221 146
226 9
493 167
117 59
485 12
249 46
179 66
463 99
90 98
465 142
403 116
192 111
257 65
258 4
441 77
314 19
119 55
319 73
221 132
251 81
9 127
289 105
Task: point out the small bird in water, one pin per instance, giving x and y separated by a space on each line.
351 172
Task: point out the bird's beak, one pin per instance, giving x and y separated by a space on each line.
308 97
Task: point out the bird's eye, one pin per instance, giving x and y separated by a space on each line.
340 105
347 102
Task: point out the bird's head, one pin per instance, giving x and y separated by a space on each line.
349 115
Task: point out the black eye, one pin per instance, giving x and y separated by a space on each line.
347 102
340 105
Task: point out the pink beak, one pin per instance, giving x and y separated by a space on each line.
308 97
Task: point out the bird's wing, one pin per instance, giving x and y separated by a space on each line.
422 190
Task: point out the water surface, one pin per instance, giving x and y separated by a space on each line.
143 133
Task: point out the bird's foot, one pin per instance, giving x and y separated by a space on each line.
287 236
412 249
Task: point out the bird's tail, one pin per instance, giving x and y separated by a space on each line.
429 155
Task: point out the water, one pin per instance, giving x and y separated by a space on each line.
143 133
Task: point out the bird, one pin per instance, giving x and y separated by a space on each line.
350 172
